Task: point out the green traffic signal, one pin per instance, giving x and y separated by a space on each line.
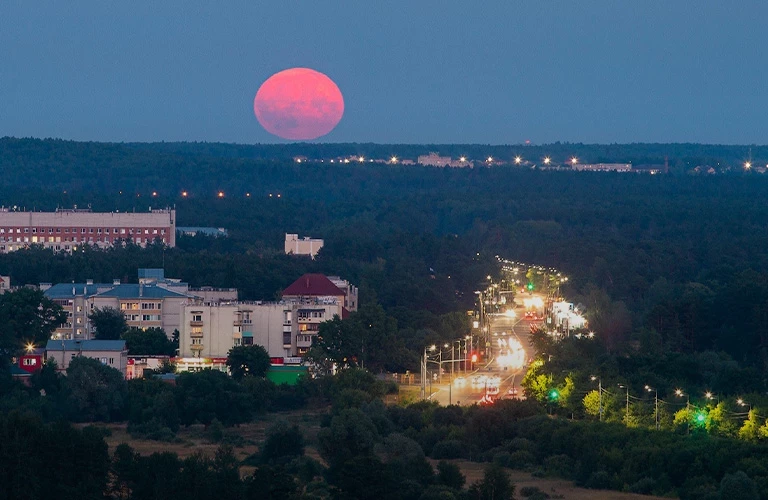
700 417
554 395
529 286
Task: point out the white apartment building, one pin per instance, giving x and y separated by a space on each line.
304 246
350 292
66 230
285 329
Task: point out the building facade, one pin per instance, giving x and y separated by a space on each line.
602 167
285 329
304 246
154 302
112 353
66 230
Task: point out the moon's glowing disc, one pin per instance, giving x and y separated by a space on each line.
298 104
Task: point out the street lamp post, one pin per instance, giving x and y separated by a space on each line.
627 414
679 393
600 396
424 373
656 401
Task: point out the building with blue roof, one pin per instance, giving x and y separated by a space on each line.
112 353
154 302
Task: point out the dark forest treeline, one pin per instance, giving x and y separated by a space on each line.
681 260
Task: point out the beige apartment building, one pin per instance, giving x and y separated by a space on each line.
66 230
285 330
304 246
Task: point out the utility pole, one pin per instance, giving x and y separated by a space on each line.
600 401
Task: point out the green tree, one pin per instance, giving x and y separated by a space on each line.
282 443
449 474
495 485
96 392
108 323
750 429
244 361
150 342
738 486
591 404
26 316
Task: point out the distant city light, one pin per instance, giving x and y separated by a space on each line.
490 159
361 159
463 159
748 165
221 194
184 194
547 160
574 160
518 160
393 159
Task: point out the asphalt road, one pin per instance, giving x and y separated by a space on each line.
501 327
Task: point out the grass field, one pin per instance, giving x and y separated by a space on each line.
193 440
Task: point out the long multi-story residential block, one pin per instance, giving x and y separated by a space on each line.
286 329
153 302
67 230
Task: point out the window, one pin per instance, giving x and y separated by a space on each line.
236 343
82 231
90 230
111 361
150 317
98 231
197 341
58 230
30 361
122 231
50 230
26 230
103 361
154 231
247 340
197 317
34 230
196 331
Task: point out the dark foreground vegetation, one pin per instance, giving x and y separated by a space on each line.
367 449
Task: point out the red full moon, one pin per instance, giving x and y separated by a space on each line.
298 104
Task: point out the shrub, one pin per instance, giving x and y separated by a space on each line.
448 449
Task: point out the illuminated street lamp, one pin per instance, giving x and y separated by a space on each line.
30 347
747 165
393 159
490 159
626 387
463 159
656 400
743 403
547 160
574 160
518 160
600 393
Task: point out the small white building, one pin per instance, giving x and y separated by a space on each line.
304 246
602 167
434 160
112 353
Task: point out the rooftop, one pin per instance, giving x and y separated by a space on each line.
85 345
134 291
313 284
68 290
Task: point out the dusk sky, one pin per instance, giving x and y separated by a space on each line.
443 71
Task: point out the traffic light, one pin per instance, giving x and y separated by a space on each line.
529 286
701 417
554 395
474 358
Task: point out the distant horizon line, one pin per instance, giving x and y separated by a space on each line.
370 143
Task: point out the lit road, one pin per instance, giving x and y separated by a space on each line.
470 387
